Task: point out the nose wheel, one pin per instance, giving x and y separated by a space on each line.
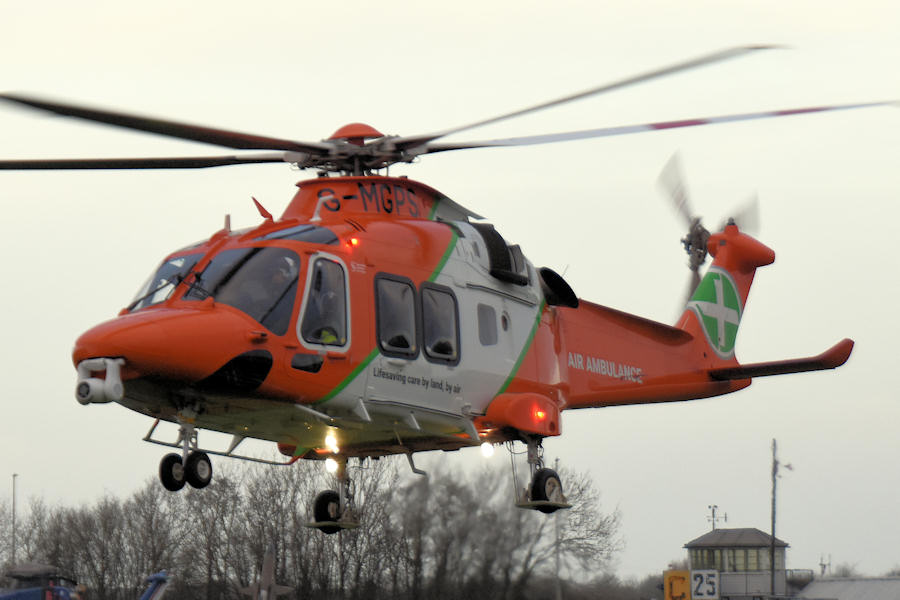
191 466
171 472
334 510
327 510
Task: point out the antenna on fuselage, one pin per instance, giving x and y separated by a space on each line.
262 210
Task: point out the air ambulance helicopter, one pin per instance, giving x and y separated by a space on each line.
376 316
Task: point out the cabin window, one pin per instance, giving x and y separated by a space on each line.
487 325
261 282
440 324
325 318
162 283
395 308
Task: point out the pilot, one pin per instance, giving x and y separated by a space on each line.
323 322
258 294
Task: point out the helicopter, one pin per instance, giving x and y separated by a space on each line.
376 316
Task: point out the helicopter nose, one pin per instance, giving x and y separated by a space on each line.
184 344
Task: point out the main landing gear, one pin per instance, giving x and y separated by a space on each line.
191 466
335 510
545 492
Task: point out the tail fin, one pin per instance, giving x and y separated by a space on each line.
715 309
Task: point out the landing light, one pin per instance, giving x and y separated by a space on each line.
331 465
331 443
487 449
540 415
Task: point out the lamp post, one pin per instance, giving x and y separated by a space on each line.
775 475
774 483
556 533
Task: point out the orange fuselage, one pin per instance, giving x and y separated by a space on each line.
374 310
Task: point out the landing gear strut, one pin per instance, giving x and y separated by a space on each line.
545 492
335 510
191 466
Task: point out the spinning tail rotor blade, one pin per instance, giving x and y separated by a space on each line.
671 181
413 141
185 131
746 217
693 282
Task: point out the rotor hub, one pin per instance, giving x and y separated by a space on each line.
356 133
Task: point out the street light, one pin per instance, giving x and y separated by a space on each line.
775 465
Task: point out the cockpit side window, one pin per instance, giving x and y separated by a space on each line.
325 318
261 282
395 311
162 283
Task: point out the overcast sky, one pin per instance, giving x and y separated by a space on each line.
76 246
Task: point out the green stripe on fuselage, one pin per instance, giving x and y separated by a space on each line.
445 257
525 349
340 387
366 361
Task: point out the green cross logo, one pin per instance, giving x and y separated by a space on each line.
718 307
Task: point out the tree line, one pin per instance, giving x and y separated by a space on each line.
444 537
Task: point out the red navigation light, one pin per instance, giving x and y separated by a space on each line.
527 412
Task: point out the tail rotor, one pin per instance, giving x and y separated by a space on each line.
673 184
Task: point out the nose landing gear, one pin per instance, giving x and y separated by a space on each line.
335 510
191 466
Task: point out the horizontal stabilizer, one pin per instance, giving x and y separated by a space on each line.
830 359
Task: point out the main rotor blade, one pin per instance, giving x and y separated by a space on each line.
180 162
185 131
413 141
628 129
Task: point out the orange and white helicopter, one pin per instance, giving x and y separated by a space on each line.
376 316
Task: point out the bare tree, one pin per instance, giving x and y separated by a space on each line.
154 534
845 570
464 534
6 533
451 536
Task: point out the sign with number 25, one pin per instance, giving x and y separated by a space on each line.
705 584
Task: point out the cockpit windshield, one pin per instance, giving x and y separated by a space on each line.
261 282
162 283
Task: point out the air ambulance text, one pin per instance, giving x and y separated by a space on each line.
592 364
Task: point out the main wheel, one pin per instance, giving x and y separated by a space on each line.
327 507
171 472
198 470
546 486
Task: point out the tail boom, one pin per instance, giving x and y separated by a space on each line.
613 358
